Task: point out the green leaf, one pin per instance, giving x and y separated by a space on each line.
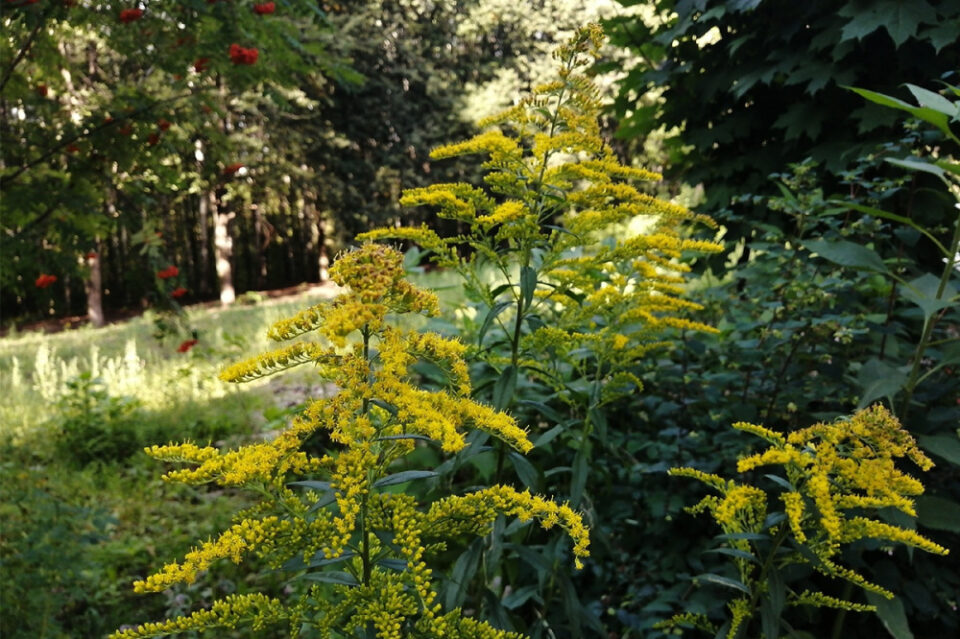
578 479
548 436
390 408
403 477
422 438
505 387
733 552
544 409
847 254
744 535
879 379
722 581
922 291
917 165
869 210
944 446
488 320
463 571
528 284
780 481
525 470
518 597
900 19
771 608
393 564
892 615
926 114
938 513
331 577
934 101
940 35
319 486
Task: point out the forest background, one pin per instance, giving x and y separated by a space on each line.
151 163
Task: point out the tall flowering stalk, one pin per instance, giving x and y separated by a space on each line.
576 301
363 546
832 475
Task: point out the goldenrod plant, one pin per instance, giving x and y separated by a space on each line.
831 476
576 300
359 545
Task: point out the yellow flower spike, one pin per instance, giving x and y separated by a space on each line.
342 505
838 471
771 436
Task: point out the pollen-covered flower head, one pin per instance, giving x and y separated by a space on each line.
374 274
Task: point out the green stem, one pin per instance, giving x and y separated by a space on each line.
928 324
767 563
364 533
837 631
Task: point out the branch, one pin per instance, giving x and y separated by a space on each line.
7 179
26 47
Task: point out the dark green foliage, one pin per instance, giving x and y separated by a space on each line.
771 91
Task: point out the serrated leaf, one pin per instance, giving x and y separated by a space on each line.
847 254
720 580
940 35
878 379
922 291
403 477
900 19
892 615
943 446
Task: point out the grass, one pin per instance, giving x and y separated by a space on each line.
83 509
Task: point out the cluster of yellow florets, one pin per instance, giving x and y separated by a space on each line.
836 471
843 466
373 420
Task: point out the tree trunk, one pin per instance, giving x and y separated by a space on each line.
93 286
223 246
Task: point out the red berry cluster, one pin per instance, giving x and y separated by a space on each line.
130 15
242 55
45 280
167 273
186 346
